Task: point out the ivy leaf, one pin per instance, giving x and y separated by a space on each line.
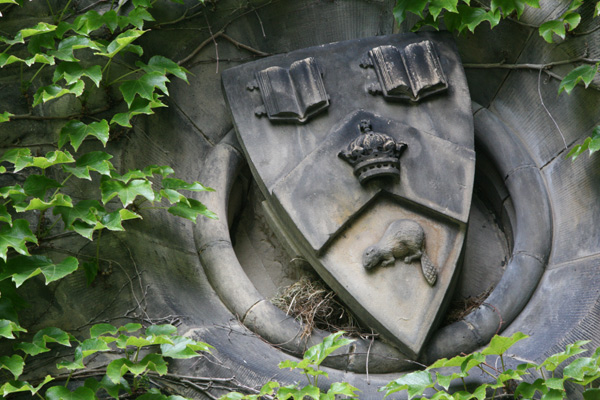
572 19
130 328
71 72
76 132
102 329
583 73
178 184
22 268
548 28
58 200
473 16
16 237
5 116
50 159
111 20
592 393
138 106
42 338
183 348
591 143
112 221
127 192
597 9
155 362
20 157
38 42
4 215
51 92
96 161
165 329
38 185
20 386
144 87
414 383
62 393
13 363
500 344
508 6
551 363
404 6
164 65
88 22
120 42
436 7
136 17
190 209
580 368
66 47
8 328
85 211
317 353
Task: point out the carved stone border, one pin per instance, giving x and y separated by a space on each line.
530 217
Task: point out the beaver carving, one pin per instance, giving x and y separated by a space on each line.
404 240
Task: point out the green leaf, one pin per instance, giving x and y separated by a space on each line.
412 6
597 9
127 192
116 369
551 363
130 328
22 268
66 47
88 22
4 215
591 143
86 211
138 106
71 72
20 386
580 368
156 363
111 20
183 348
178 184
62 393
96 161
527 390
5 116
548 28
42 338
591 394
13 363
120 42
144 87
471 17
572 20
38 185
8 328
508 6
500 344
136 17
166 329
90 268
16 237
76 132
58 200
191 209
102 329
20 157
414 383
47 93
583 73
165 66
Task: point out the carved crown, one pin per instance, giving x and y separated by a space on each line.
373 154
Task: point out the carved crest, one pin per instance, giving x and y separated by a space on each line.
375 194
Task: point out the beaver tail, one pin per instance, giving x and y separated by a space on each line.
429 270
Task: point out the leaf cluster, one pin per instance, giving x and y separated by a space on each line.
121 375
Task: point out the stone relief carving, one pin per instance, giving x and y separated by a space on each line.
403 240
291 94
373 154
410 73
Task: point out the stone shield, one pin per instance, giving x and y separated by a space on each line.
353 145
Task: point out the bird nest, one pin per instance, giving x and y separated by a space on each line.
315 305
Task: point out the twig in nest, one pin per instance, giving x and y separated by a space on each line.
461 308
316 306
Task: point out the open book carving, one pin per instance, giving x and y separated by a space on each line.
409 73
293 94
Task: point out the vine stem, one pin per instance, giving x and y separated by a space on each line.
63 11
124 75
